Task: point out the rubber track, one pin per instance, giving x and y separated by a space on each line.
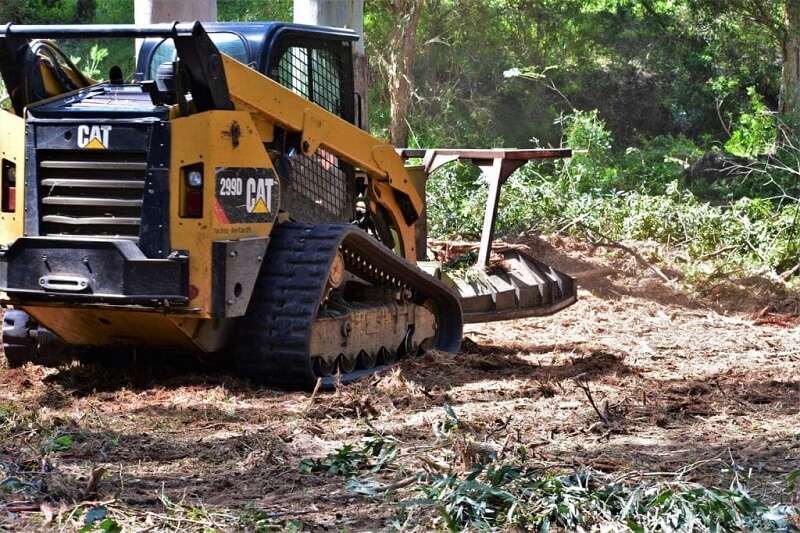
273 340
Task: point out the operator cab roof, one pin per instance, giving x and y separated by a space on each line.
251 43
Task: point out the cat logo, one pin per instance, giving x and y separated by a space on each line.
246 195
93 136
259 195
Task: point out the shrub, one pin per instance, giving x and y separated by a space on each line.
636 195
756 130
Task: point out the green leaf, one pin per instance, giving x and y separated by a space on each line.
790 479
94 514
633 526
661 498
61 443
110 526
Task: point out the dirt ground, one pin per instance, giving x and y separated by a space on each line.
703 385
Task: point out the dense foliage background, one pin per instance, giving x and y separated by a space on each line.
671 105
641 88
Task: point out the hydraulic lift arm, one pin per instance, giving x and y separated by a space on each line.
274 105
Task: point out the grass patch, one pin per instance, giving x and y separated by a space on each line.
487 492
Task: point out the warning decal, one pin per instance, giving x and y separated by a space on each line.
246 195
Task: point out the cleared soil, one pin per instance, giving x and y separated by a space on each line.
703 385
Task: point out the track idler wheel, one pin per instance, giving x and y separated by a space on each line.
409 347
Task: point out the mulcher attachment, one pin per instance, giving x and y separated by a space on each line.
516 286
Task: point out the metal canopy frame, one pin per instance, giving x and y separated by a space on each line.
497 164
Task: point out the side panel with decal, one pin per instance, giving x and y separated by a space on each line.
246 195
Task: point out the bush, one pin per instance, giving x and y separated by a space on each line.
635 195
756 130
489 494
506 496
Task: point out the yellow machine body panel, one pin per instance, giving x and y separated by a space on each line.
143 328
209 141
113 327
216 140
12 148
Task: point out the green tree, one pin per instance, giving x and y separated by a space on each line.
49 11
779 21
254 10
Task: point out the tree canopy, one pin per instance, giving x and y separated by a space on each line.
641 88
503 71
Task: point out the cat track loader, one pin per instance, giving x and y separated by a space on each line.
226 202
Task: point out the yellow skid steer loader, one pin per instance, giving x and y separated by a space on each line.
227 202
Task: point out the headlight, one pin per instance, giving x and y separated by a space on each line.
194 178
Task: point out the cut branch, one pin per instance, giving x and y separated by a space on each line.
584 386
608 243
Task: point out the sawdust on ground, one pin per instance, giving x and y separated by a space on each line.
677 379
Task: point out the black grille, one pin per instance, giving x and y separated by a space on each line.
90 193
322 179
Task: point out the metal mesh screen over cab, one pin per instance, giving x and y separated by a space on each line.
320 187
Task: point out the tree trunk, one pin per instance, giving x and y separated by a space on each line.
154 11
336 13
341 14
790 62
400 65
